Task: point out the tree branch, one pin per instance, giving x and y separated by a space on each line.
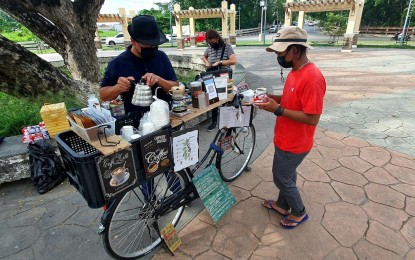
24 73
25 13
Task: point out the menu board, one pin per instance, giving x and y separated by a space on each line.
214 193
221 84
210 88
185 148
116 172
156 152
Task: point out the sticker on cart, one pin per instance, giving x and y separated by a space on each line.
156 153
116 172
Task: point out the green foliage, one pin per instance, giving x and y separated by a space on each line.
335 23
7 23
19 112
110 33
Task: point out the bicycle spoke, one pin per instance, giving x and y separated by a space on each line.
233 162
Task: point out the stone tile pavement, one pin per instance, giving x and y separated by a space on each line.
360 199
358 182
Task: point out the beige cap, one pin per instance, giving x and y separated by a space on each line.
287 36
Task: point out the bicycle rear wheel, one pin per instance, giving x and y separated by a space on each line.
131 227
233 161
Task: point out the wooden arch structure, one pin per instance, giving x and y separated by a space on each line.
121 18
353 24
224 13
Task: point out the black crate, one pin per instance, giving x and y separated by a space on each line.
78 158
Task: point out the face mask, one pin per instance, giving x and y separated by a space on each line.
283 63
215 45
148 53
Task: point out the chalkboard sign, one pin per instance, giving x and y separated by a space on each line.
214 193
116 172
156 153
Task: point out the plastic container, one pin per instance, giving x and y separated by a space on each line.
91 134
248 96
93 102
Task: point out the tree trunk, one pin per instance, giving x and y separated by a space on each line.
23 73
68 27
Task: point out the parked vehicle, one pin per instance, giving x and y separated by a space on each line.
118 39
200 37
273 29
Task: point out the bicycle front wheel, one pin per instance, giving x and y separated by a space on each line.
131 228
238 151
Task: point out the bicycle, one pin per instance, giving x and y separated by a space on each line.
130 225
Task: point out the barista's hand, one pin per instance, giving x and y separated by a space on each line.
270 106
151 78
124 84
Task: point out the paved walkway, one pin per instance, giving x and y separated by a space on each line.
358 183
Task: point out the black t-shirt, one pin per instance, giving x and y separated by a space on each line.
127 64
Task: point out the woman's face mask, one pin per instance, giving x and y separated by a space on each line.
148 53
214 45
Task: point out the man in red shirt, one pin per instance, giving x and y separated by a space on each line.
298 111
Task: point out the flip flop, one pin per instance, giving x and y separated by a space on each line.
268 204
293 221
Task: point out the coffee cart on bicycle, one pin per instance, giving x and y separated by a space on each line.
141 197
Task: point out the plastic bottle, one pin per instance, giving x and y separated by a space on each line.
93 102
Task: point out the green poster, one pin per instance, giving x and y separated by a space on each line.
213 192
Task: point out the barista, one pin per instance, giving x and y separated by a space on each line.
141 60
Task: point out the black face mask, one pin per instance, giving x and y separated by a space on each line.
215 45
283 63
148 53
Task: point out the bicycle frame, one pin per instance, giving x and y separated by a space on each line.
184 197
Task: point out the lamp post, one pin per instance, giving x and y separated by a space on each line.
403 34
265 20
261 4
239 15
171 28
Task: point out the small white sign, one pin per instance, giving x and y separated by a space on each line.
221 87
185 150
232 117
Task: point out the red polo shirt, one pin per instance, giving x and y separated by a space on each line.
303 91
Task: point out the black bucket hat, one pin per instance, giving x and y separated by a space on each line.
144 29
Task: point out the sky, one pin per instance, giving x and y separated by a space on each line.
111 6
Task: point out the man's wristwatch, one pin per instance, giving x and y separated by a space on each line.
279 111
221 62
